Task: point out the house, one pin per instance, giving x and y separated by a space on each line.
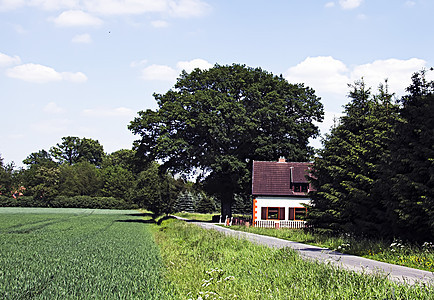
279 190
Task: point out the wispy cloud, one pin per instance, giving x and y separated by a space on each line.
109 112
6 60
350 4
159 24
82 39
53 108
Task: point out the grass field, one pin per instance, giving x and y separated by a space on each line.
78 254
206 264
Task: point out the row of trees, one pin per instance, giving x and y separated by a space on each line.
375 173
78 167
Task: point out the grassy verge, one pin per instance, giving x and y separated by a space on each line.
195 216
79 254
206 264
396 253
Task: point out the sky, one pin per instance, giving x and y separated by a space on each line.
86 67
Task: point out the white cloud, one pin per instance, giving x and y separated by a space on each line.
73 18
327 75
135 63
189 8
323 73
159 72
6 5
43 4
120 7
77 77
54 4
6 60
329 4
82 39
42 74
350 4
159 24
189 66
106 112
398 72
53 108
167 73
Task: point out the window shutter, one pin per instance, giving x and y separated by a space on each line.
263 213
281 213
291 213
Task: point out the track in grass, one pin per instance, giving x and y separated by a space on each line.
78 255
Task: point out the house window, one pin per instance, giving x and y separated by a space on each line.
297 213
301 187
273 213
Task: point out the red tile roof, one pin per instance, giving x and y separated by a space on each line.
275 178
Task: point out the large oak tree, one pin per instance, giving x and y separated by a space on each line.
219 120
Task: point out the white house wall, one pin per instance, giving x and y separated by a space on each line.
285 202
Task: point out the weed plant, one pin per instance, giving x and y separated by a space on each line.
395 252
78 254
209 265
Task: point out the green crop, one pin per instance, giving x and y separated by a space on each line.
78 254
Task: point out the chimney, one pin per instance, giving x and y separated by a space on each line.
282 159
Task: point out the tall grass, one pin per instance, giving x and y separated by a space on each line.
396 252
79 254
206 264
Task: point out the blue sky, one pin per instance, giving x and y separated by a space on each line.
85 67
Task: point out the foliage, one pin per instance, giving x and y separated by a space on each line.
408 178
6 177
117 182
41 158
82 178
74 149
79 255
219 120
44 183
65 201
350 164
155 191
201 262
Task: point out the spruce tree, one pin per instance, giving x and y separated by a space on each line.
347 168
409 175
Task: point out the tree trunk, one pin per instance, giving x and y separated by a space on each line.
226 206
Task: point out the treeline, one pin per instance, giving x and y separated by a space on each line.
375 173
77 173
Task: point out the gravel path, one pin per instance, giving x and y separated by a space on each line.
349 262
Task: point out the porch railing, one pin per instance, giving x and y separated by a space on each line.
280 224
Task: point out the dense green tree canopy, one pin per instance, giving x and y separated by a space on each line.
74 149
220 120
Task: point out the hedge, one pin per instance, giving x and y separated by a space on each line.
64 201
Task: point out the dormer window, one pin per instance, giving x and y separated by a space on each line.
301 187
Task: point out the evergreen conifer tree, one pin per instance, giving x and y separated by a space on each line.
409 176
347 168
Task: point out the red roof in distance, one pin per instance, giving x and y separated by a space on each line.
277 178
